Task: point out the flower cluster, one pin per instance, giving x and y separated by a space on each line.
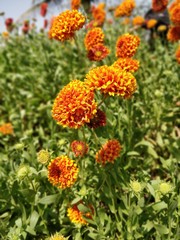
127 64
138 21
159 5
64 26
109 152
6 129
112 81
75 4
62 172
126 45
99 120
74 106
79 148
125 8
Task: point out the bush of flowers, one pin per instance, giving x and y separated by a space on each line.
89 127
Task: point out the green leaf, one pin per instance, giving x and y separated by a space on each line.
159 206
48 199
151 190
34 219
161 229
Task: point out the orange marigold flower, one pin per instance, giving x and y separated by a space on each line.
126 45
159 5
43 9
62 172
98 52
125 8
76 216
6 129
112 81
75 4
99 120
127 64
173 34
99 13
64 26
173 4
109 152
138 21
175 14
151 23
79 148
178 54
74 106
93 37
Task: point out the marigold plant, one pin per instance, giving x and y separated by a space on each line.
79 148
99 13
109 152
62 172
127 64
93 37
126 45
98 52
175 14
125 8
173 34
151 23
64 26
112 81
159 5
6 129
138 21
74 106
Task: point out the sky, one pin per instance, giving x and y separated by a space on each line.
15 8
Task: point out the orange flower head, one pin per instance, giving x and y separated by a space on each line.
112 81
138 21
151 23
76 216
99 120
109 152
125 8
74 106
6 129
127 64
75 4
5 35
178 54
79 148
99 13
62 172
98 52
173 4
159 5
173 34
64 26
93 37
162 28
126 45
175 14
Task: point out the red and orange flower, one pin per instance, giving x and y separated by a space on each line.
159 5
175 15
79 148
62 172
109 152
99 120
127 64
43 9
93 37
173 34
6 129
64 26
126 45
98 52
75 4
99 13
74 106
112 81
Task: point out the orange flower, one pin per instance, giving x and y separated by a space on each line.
64 26
99 13
175 14
151 23
62 172
138 21
99 120
112 81
79 148
127 45
173 34
93 37
173 4
109 152
159 5
76 216
98 52
6 129
125 8
74 106
178 54
127 64
75 4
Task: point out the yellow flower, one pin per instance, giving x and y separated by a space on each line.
112 81
126 45
162 28
43 156
136 186
165 188
64 26
62 172
57 236
74 106
127 64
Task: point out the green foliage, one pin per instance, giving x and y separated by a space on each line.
33 69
